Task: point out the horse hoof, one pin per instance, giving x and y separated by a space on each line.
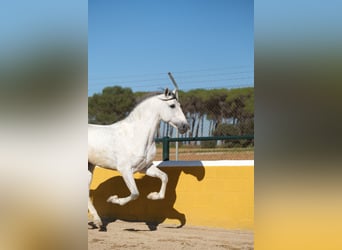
98 223
95 223
114 199
154 196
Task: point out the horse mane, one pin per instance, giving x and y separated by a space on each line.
142 98
146 95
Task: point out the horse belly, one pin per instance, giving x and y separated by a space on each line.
101 157
101 148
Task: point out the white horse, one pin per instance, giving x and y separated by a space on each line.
128 145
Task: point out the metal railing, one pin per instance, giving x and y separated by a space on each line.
166 141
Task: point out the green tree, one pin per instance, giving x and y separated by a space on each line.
194 107
225 129
112 105
215 107
241 105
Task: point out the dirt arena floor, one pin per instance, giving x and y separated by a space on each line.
134 235
208 154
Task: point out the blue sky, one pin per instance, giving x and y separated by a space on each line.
204 43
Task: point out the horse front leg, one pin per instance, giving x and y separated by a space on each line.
130 182
96 218
153 171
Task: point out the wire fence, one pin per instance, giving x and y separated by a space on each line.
203 153
210 78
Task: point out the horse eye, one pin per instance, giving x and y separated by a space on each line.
172 106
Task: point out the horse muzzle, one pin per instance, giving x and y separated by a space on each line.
183 128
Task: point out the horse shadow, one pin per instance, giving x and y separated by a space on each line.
151 212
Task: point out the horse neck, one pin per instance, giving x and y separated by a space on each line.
146 119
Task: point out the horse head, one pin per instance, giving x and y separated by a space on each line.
172 112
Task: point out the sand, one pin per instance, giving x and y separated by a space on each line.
137 235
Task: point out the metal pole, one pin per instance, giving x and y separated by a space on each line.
166 148
173 80
177 146
176 86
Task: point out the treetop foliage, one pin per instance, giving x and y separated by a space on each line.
218 106
112 105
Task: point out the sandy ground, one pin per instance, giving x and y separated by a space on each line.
134 235
204 154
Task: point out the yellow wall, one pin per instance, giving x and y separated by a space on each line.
216 196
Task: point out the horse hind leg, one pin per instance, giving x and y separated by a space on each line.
96 218
153 171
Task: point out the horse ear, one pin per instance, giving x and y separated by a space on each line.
166 92
175 93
